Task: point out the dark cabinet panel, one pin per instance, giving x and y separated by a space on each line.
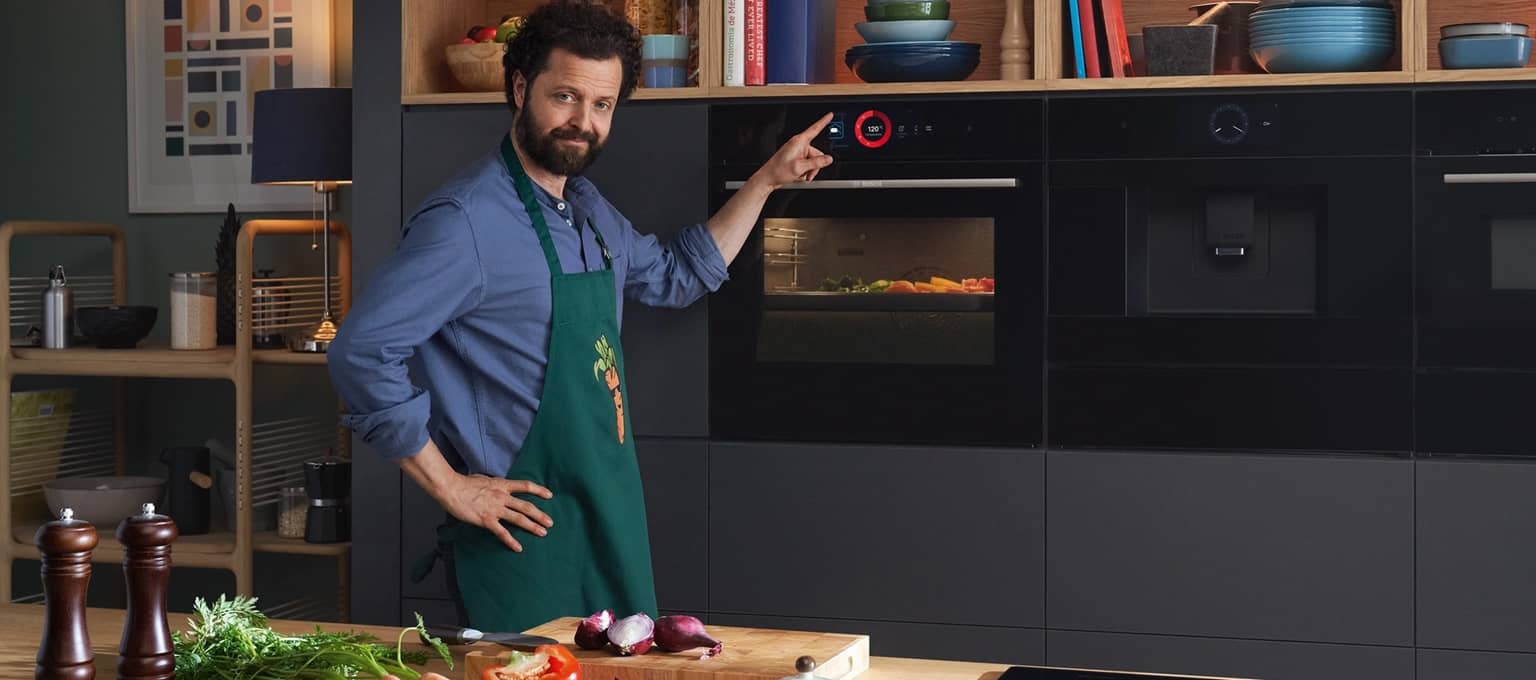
994 644
1250 546
1474 412
1476 583
1227 658
1319 409
420 516
676 478
1442 664
655 170
877 533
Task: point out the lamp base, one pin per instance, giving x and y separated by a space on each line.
314 340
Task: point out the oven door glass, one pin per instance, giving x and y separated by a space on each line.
1476 303
886 310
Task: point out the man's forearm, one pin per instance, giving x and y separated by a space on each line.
733 223
430 470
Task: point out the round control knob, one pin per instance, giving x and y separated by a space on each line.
1229 124
872 128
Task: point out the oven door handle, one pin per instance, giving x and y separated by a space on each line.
1490 178
934 183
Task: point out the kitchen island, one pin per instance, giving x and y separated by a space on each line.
21 628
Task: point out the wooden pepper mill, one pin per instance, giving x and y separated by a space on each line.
145 652
1016 58
65 546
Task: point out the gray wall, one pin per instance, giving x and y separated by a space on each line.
65 154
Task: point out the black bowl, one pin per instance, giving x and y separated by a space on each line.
114 326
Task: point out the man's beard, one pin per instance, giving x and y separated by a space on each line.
547 151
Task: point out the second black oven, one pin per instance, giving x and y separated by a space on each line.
1231 271
898 296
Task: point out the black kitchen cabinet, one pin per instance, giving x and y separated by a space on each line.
676 477
1227 658
654 169
419 519
1442 664
941 536
1313 549
1476 584
994 644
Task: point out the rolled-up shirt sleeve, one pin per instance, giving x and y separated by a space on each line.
433 277
674 274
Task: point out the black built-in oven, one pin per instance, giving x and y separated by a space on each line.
1476 271
1231 271
897 297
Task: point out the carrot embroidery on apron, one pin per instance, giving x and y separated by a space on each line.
606 369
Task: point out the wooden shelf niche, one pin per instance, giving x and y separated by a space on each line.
429 26
1432 15
1140 13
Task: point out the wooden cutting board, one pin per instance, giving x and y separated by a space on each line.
747 654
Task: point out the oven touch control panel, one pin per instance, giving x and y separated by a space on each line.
872 129
883 129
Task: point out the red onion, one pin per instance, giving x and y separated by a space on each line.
632 635
592 633
679 633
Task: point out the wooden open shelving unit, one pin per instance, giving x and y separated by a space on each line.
218 549
430 24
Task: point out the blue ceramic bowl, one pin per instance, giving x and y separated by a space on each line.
1324 13
1485 51
1278 4
1311 22
913 64
917 46
904 31
1321 57
1363 33
1322 41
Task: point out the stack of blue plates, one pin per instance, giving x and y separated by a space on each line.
891 62
1316 36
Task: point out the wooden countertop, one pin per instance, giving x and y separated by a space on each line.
21 629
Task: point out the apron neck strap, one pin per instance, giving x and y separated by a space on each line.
525 192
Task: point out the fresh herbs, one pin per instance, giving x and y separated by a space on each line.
230 640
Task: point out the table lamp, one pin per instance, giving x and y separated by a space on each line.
303 137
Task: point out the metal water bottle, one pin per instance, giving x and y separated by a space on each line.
58 310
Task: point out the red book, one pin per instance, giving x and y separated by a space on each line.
1116 39
756 39
1090 38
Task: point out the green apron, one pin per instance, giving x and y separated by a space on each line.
597 555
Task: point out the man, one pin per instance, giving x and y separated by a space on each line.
505 288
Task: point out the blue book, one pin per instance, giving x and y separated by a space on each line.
799 46
1077 38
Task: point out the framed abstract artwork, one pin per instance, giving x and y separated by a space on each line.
194 67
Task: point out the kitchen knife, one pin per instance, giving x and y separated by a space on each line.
469 636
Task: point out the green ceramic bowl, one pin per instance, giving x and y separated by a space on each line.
902 11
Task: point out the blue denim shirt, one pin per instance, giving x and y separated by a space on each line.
465 299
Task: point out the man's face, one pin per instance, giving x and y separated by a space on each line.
563 118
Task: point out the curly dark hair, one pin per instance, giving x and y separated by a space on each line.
586 28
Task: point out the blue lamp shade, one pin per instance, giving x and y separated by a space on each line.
302 136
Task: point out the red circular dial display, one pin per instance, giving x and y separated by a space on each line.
872 129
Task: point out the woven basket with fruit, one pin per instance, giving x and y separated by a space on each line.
476 59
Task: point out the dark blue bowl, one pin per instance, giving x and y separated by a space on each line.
916 47
912 64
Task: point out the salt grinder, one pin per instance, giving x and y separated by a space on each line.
65 546
145 652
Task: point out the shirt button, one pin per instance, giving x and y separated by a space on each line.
569 224
559 206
